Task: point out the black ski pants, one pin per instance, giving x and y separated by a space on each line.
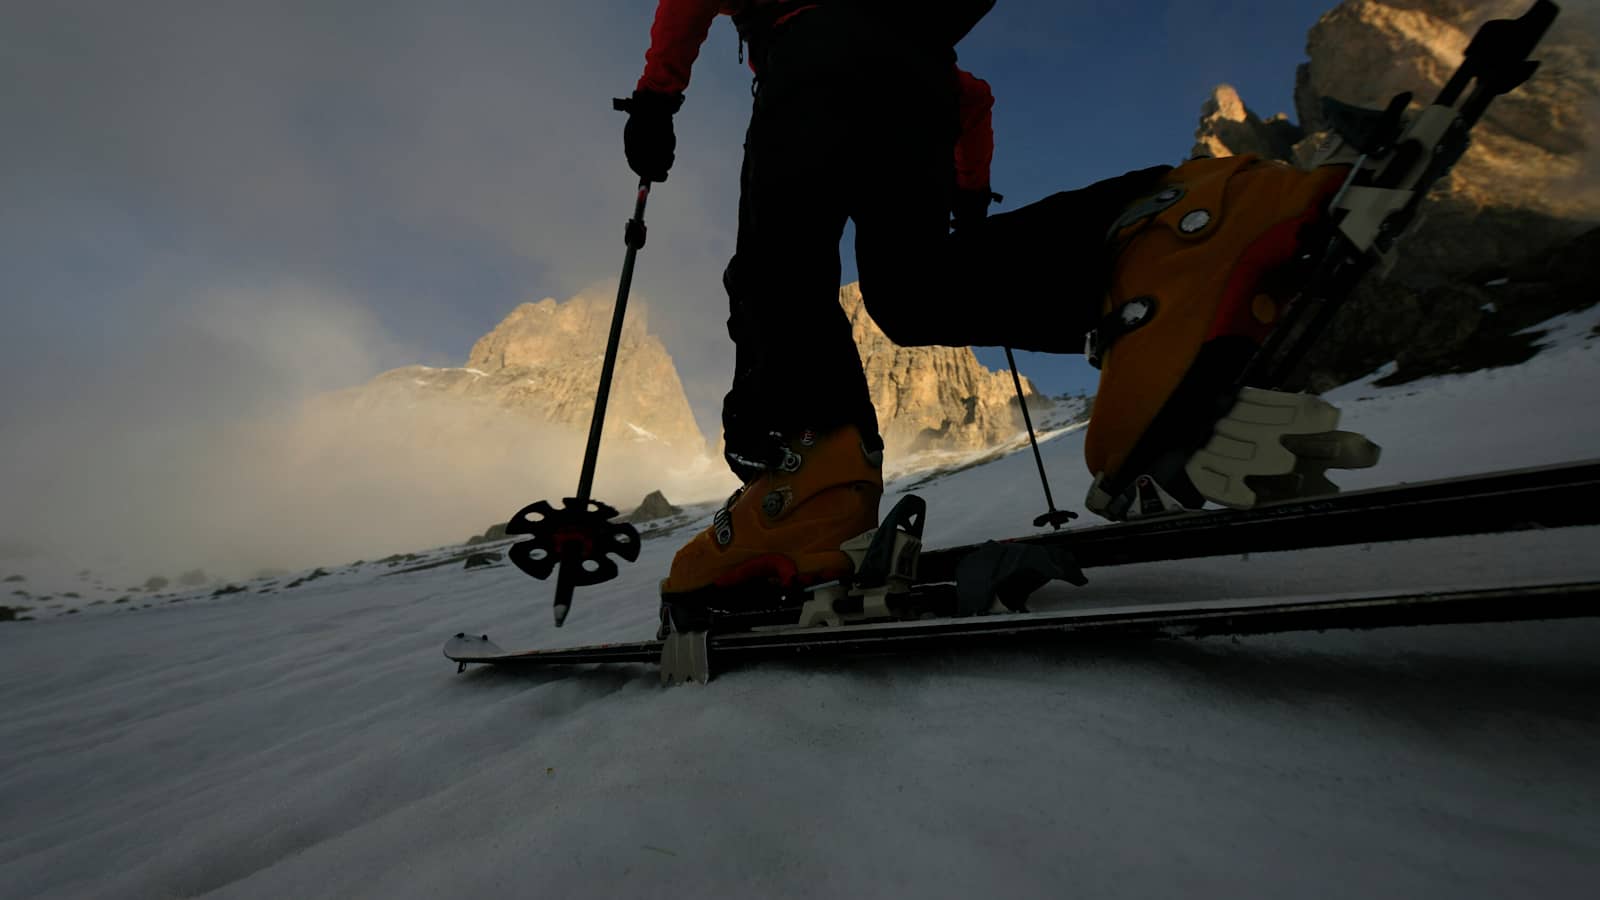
849 123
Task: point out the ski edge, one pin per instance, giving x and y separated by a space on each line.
1550 496
1356 611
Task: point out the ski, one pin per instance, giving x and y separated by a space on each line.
1539 497
1001 574
1508 603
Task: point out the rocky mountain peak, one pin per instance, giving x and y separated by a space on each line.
548 332
1228 127
542 363
933 397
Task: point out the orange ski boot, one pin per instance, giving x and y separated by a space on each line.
781 532
1204 270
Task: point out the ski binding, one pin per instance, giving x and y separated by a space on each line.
884 562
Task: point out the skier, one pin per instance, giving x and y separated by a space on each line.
1194 289
860 112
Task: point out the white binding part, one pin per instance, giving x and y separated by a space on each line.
1368 208
1273 445
822 606
685 658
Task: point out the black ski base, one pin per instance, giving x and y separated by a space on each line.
1510 603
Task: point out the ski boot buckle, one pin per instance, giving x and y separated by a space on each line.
1142 499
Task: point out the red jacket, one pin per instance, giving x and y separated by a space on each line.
681 27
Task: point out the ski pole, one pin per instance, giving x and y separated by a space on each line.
633 237
1055 518
580 536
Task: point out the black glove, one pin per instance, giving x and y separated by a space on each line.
970 206
647 139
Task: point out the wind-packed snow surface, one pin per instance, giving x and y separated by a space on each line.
312 742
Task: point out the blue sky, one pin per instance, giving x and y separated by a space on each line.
431 168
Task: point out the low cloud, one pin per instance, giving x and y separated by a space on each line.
228 447
216 211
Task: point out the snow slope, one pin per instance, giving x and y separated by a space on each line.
312 742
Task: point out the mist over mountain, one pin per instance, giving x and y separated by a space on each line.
541 366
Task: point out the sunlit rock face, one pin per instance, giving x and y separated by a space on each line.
1534 150
937 398
1229 128
542 363
1526 191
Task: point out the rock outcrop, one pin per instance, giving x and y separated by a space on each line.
653 506
542 363
933 397
1534 150
1528 186
1228 128
556 349
1489 318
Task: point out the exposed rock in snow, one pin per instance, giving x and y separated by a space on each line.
654 506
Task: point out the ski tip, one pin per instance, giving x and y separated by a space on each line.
561 613
470 646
